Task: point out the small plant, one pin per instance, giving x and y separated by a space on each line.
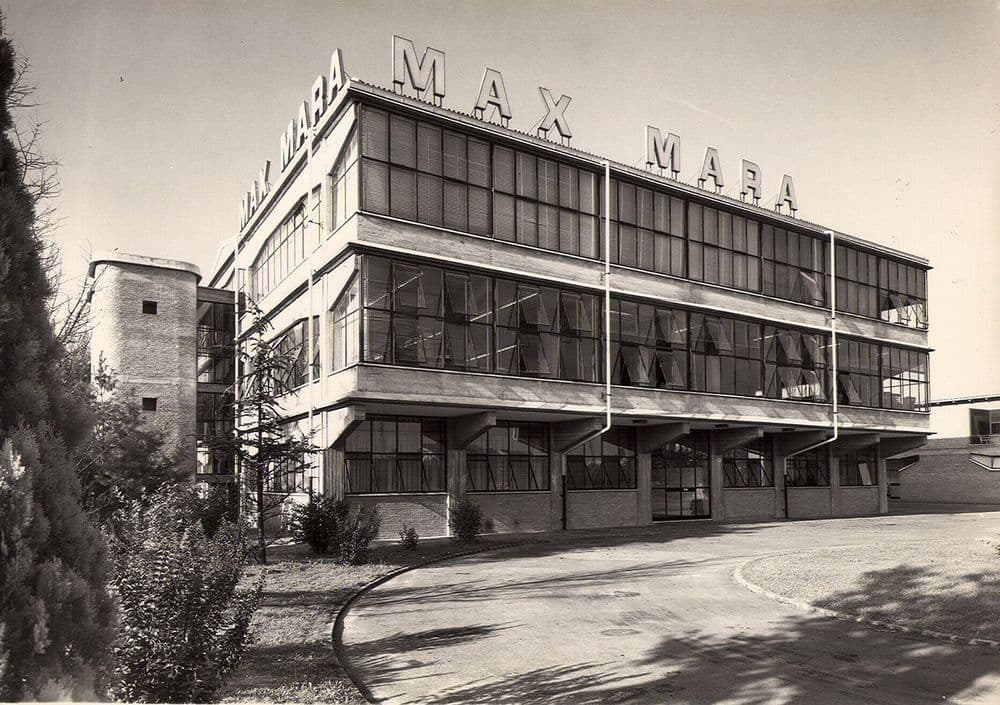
408 537
465 521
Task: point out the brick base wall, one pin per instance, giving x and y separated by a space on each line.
858 501
596 508
513 511
947 475
748 503
808 503
428 514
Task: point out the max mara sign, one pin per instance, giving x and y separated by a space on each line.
424 75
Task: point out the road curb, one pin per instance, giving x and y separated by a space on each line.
740 579
337 632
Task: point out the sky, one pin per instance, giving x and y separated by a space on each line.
887 114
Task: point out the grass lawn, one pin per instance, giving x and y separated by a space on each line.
946 586
292 658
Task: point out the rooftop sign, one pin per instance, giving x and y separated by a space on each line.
425 76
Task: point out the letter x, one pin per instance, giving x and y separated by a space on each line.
555 114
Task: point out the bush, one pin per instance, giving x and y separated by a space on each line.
330 526
465 521
408 537
315 523
355 531
184 622
216 504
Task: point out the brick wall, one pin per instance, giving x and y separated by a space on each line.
514 511
808 502
151 355
857 501
427 513
587 509
944 473
748 503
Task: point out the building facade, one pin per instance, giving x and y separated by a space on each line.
444 279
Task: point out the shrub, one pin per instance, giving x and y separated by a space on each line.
355 531
184 622
408 537
330 526
315 523
216 504
465 521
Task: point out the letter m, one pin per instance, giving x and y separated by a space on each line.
664 152
421 74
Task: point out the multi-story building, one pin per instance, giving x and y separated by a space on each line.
444 280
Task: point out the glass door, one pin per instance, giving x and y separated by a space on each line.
681 480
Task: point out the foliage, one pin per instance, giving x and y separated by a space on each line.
315 523
330 526
215 505
184 621
356 529
56 614
465 520
269 454
125 459
408 537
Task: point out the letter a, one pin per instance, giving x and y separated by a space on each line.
493 92
712 168
786 194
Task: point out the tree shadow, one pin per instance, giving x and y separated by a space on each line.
783 657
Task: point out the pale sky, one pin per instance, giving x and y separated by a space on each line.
885 113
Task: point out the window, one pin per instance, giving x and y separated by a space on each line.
284 249
294 347
858 381
859 468
725 355
904 378
215 418
344 182
149 403
902 294
344 317
794 265
510 457
396 454
724 248
216 330
426 316
795 364
749 466
149 307
603 463
808 469
649 345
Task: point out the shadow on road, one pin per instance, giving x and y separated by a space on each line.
800 659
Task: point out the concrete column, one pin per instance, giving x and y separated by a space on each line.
721 441
883 481
644 486
334 471
462 430
779 485
835 493
557 483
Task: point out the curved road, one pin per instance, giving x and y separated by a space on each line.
652 615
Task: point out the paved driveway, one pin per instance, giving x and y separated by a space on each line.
652 616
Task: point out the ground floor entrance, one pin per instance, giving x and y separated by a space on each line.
681 480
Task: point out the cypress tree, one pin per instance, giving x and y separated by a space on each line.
56 614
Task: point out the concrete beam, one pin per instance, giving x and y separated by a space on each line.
786 444
340 422
462 430
734 438
848 444
655 437
567 435
888 447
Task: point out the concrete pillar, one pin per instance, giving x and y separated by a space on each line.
338 424
462 430
835 493
785 445
779 485
644 487
720 442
